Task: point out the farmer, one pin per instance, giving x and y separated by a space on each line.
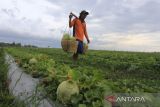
79 31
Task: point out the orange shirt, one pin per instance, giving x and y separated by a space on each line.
80 28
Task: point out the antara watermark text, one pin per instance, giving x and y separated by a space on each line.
135 99
130 99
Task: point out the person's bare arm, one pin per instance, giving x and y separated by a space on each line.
70 19
86 33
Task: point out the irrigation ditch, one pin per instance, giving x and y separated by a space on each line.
26 88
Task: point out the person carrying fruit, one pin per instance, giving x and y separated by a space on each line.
79 30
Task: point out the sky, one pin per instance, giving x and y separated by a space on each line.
125 25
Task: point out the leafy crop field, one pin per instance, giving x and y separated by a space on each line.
95 73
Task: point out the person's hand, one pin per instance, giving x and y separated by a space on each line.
88 41
70 16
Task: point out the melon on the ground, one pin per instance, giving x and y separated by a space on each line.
33 61
66 90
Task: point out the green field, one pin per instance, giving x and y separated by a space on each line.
96 72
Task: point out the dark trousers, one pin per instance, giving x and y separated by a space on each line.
80 47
